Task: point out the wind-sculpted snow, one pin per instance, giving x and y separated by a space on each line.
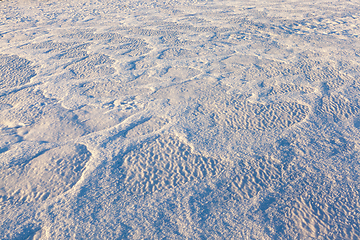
288 88
177 53
184 119
48 174
149 126
49 46
91 66
164 163
338 107
15 71
39 118
260 177
239 113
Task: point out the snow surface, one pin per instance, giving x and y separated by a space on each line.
189 119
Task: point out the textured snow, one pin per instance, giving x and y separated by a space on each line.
189 119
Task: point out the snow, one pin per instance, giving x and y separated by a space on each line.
190 119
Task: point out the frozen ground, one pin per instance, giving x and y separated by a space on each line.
180 119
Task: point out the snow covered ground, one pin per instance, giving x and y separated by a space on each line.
189 119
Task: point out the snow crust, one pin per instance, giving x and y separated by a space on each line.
189 119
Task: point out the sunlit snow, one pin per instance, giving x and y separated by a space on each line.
189 119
